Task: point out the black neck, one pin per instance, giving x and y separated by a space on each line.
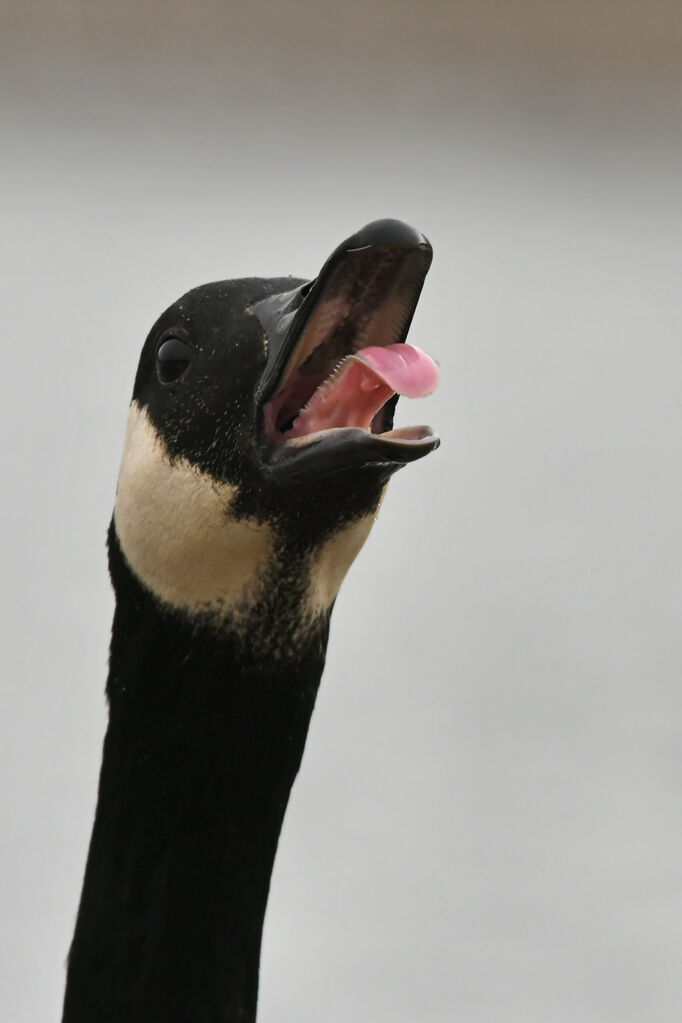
199 758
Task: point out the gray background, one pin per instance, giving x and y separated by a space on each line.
487 824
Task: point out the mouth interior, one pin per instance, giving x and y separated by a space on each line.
350 358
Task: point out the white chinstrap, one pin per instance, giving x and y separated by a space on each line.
178 533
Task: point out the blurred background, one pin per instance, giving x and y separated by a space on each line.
488 823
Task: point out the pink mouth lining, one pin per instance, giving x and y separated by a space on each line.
359 387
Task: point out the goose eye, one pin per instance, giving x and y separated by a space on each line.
172 359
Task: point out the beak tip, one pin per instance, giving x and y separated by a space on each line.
387 232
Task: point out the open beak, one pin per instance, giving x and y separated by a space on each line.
337 358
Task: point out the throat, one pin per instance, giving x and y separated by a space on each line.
199 759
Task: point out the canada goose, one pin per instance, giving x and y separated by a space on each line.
259 444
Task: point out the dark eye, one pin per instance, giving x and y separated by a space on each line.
172 359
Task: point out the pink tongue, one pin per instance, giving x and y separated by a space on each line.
362 384
405 369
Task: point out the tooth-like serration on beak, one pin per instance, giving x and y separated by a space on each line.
361 384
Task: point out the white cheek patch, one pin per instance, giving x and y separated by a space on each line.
330 564
177 533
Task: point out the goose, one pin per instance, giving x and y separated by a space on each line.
259 444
